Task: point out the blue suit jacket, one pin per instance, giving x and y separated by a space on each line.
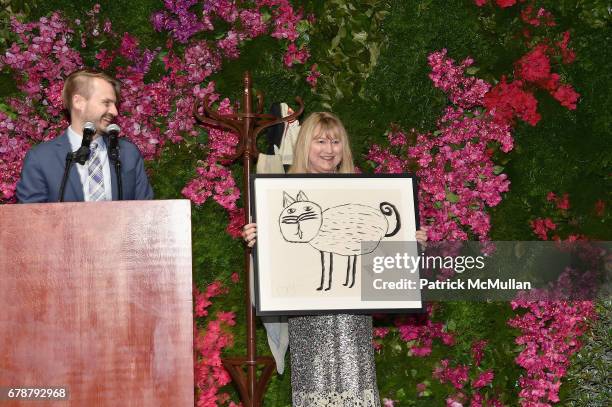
43 169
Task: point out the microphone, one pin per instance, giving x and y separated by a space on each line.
113 154
113 146
82 154
113 130
89 129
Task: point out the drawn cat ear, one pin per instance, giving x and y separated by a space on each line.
301 196
287 200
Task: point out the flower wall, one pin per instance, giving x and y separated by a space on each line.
496 105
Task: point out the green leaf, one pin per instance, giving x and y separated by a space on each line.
360 36
336 40
303 26
498 169
451 197
374 49
472 70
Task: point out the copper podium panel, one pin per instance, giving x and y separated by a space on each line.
97 298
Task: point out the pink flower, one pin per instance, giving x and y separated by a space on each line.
420 351
448 339
567 96
536 18
313 76
214 289
108 27
535 65
229 45
129 47
295 55
105 57
388 402
253 23
541 227
202 300
464 91
227 318
452 201
477 351
563 203
213 181
477 400
226 9
507 100
457 376
201 303
450 402
505 3
380 332
421 387
285 18
484 379
567 54
234 228
549 330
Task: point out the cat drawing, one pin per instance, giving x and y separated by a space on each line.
337 230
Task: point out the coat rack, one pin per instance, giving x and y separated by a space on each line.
247 125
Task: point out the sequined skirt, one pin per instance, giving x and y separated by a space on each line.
332 361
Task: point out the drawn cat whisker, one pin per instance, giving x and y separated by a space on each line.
308 216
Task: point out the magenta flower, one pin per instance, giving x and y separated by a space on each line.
483 379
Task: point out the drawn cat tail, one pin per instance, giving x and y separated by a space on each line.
388 209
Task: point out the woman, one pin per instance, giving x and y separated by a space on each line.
332 358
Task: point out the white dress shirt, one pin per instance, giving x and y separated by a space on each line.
75 142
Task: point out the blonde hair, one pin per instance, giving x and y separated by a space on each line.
321 123
79 82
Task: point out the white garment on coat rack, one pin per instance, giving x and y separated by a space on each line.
277 327
270 164
289 136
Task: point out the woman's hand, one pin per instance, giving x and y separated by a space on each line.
249 233
421 236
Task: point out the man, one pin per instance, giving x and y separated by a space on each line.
88 97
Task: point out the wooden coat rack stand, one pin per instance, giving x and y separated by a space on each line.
247 125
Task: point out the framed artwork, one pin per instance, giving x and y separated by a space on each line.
317 238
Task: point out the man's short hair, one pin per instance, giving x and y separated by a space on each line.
80 82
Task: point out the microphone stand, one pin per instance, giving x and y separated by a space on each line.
113 154
80 156
70 159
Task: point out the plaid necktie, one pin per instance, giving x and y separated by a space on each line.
95 177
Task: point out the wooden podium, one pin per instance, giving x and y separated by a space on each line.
96 298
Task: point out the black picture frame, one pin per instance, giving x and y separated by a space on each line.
263 251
